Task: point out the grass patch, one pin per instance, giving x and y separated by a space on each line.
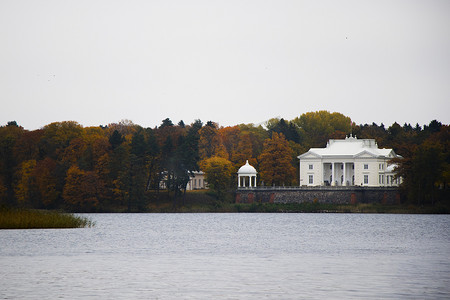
33 219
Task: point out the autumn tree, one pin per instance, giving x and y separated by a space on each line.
243 151
425 169
258 136
276 161
251 140
74 151
25 190
125 127
218 174
210 142
316 127
230 137
80 190
46 176
57 136
27 146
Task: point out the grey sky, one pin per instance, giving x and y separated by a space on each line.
97 62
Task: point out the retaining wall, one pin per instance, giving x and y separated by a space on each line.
337 195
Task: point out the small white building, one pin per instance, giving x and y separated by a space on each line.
247 176
348 162
197 181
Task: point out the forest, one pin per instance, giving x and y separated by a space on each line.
119 167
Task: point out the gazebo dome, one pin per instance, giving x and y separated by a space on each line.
247 169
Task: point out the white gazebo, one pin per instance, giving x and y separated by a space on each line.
247 171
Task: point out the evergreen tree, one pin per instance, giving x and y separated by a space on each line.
138 173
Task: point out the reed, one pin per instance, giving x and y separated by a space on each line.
33 219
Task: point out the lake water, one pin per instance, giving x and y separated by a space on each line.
231 256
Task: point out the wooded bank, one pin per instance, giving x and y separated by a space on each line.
67 166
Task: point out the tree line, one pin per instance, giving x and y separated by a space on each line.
120 166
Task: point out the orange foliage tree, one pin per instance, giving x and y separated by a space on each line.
230 137
276 161
210 143
80 190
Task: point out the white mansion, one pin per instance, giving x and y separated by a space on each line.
348 162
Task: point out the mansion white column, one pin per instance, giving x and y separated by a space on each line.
344 182
332 174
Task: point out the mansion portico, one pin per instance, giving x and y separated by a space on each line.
348 162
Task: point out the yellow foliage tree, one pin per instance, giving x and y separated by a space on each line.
23 187
317 127
218 172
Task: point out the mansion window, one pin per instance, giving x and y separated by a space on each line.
366 179
366 166
310 167
311 179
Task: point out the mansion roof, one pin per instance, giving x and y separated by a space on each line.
350 147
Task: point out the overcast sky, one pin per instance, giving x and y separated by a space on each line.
232 62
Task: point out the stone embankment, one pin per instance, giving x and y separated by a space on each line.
336 195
